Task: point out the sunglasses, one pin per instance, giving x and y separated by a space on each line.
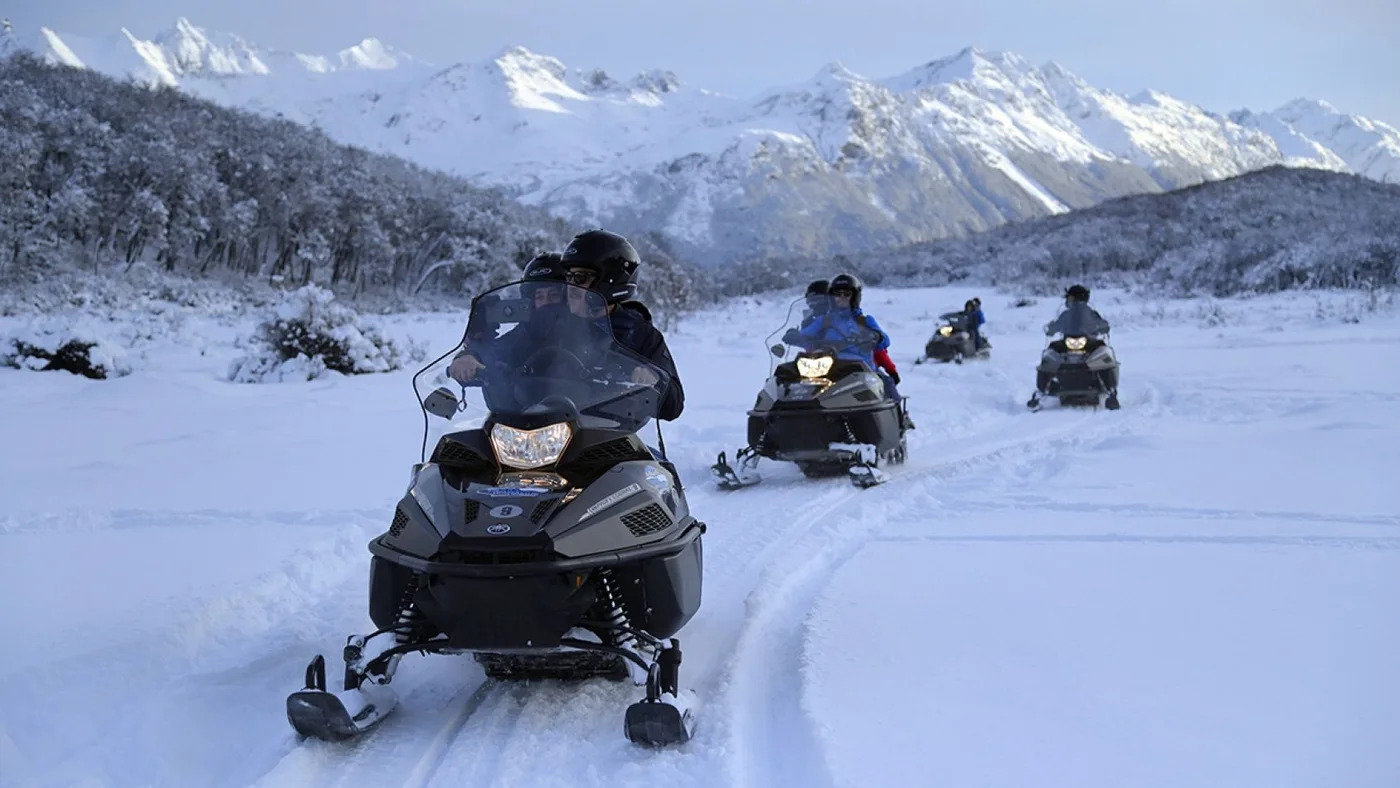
842 293
579 276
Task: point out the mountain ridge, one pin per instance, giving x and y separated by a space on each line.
838 163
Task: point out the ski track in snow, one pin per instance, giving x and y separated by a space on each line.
770 715
770 553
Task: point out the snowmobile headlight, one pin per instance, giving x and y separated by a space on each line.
1076 343
945 331
814 367
527 449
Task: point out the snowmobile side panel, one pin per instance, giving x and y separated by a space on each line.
634 503
669 591
390 587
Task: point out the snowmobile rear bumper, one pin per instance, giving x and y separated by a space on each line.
1080 381
941 351
801 433
558 566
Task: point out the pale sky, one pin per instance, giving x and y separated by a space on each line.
1220 54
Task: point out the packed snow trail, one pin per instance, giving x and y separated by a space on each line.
190 640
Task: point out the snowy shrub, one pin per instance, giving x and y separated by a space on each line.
50 345
309 333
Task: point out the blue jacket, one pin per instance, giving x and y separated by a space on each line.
855 334
978 318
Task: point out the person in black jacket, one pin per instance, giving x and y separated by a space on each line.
607 264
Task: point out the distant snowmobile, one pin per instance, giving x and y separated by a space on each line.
823 410
951 341
549 543
1080 368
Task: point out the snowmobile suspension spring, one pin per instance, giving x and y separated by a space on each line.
409 617
616 617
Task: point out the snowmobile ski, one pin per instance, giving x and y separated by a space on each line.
729 479
318 713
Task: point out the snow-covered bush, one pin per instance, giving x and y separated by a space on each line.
51 345
309 333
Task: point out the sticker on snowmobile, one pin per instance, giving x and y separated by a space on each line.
496 529
506 512
508 492
631 489
802 389
658 478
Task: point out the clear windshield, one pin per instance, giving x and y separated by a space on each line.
547 349
1078 319
820 322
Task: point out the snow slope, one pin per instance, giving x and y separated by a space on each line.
836 163
1197 589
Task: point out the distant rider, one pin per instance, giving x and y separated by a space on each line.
844 324
1077 308
818 301
975 319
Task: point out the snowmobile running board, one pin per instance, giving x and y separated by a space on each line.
315 712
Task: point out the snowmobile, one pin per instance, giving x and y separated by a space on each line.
550 542
825 409
1080 367
953 342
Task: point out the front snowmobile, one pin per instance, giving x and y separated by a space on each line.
1079 368
825 410
549 542
952 341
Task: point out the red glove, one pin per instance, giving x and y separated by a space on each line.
883 360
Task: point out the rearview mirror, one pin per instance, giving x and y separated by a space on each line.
778 350
441 403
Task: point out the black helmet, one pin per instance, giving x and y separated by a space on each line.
847 282
611 258
543 267
1077 293
817 287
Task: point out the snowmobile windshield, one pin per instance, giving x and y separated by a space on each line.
1079 320
954 318
820 323
549 355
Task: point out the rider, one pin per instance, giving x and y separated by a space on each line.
544 267
816 300
606 263
845 320
1076 300
818 303
975 319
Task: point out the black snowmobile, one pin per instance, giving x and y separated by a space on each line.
823 410
952 341
550 542
1079 368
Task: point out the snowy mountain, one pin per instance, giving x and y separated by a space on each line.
837 164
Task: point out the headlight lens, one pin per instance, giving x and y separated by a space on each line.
527 449
946 331
814 367
1076 343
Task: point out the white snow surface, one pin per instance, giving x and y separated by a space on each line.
1198 589
592 147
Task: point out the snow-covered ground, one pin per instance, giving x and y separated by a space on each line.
1199 589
